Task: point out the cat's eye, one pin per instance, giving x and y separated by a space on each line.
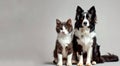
60 28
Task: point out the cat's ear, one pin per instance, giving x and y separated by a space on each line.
58 22
69 22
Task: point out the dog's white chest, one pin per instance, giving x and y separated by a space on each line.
85 39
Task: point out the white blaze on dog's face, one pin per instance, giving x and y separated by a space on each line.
85 22
85 19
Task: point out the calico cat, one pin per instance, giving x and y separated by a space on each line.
63 51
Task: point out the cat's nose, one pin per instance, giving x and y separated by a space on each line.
63 32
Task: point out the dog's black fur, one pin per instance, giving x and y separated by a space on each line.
102 58
96 54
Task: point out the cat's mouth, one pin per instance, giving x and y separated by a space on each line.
63 33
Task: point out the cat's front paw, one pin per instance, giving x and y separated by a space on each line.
88 64
80 64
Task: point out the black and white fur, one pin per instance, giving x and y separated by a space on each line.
84 40
84 31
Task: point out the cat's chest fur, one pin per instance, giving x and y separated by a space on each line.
64 41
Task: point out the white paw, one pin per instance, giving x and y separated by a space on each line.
80 64
94 62
59 64
74 61
69 64
88 64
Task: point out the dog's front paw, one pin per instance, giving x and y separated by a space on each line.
80 64
59 64
69 64
88 64
94 63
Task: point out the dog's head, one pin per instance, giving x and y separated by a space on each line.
85 19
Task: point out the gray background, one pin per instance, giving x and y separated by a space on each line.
27 29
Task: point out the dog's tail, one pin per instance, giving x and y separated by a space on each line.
110 58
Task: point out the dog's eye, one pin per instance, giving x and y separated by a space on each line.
89 19
81 18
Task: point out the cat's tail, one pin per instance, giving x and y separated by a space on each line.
110 58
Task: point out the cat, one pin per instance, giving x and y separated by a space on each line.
63 52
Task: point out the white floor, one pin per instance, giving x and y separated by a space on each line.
104 64
36 63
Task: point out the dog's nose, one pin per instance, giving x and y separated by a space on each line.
85 23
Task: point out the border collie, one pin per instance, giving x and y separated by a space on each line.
84 41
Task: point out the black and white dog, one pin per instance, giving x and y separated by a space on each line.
84 40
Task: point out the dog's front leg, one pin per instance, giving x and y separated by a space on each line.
80 55
89 56
80 63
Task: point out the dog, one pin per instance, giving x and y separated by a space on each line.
85 45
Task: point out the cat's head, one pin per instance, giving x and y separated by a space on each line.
64 27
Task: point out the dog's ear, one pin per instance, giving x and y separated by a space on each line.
98 46
92 10
79 11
